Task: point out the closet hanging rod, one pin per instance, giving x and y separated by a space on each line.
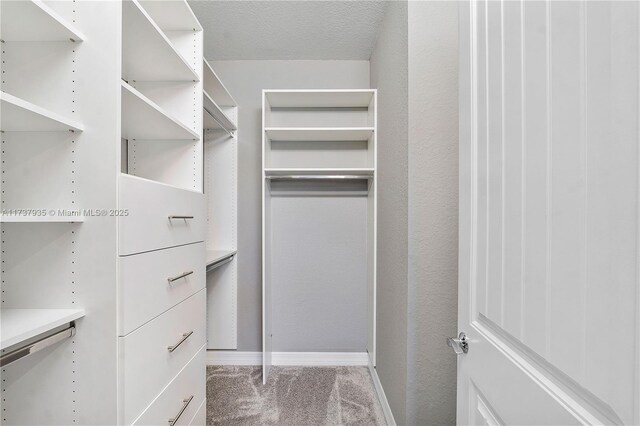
319 177
229 132
38 345
219 263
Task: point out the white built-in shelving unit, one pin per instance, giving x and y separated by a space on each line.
319 172
103 309
220 117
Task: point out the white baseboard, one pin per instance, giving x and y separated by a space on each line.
382 397
288 358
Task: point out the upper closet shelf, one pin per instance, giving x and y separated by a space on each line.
214 87
218 118
319 133
41 219
19 115
319 98
147 53
142 119
33 20
19 325
172 15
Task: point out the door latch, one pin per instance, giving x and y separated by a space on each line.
460 344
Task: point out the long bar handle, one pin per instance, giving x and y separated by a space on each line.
182 275
185 404
185 336
180 217
38 345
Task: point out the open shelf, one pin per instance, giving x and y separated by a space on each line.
33 20
215 88
41 219
19 325
319 98
19 115
147 53
319 172
319 133
175 15
218 119
142 119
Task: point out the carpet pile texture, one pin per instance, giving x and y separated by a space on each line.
293 396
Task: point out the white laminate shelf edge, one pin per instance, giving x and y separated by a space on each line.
19 325
173 15
218 115
302 134
319 172
216 88
147 54
40 219
33 20
143 119
19 115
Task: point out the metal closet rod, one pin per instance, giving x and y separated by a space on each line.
38 345
319 177
229 132
219 263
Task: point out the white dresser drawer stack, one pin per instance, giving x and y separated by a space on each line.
161 218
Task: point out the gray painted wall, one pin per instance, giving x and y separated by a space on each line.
389 75
415 69
245 80
433 211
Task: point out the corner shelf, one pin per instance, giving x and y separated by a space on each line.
33 20
333 134
142 119
19 115
19 325
147 53
218 119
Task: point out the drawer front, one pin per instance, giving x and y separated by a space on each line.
200 419
148 226
146 363
191 382
145 287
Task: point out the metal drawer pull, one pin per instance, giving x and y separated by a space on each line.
182 275
186 402
180 217
185 336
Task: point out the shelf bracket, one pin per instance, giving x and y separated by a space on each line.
38 345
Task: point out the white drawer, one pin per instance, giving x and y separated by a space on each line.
186 391
147 365
145 290
148 226
200 419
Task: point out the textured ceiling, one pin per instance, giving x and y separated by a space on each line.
245 30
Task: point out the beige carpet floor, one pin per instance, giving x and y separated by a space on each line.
293 396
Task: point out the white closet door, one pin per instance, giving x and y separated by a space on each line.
549 213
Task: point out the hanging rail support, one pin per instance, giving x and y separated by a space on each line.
38 345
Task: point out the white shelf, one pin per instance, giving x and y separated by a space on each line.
19 325
147 53
142 119
319 172
213 256
33 20
220 120
215 88
319 98
319 133
174 15
19 115
41 219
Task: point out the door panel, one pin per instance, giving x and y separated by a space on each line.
549 219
